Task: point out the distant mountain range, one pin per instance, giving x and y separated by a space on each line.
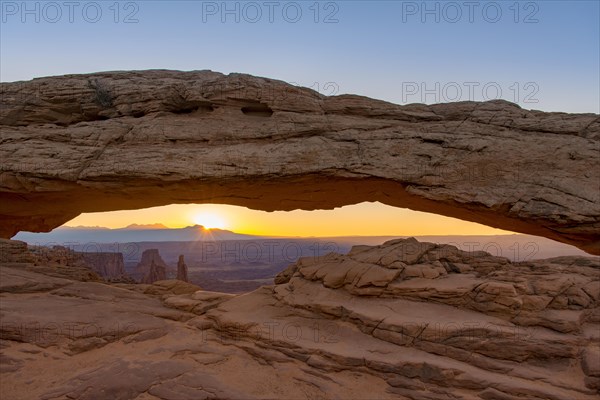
513 246
131 233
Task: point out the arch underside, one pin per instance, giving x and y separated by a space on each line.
129 140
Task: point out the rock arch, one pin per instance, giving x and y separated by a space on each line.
127 140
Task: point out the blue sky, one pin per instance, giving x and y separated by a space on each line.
542 55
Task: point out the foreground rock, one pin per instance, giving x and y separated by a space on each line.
405 320
128 140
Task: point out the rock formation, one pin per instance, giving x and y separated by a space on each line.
155 273
404 320
56 261
107 265
14 251
171 286
151 267
128 140
182 269
524 293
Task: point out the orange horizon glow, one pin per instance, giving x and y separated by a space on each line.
364 219
211 220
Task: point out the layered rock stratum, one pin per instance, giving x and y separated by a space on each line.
403 320
128 140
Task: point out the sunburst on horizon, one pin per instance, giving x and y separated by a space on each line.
210 220
363 219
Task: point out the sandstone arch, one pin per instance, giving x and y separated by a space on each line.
127 140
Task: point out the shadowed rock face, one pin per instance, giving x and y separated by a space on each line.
182 269
151 267
107 265
127 140
156 273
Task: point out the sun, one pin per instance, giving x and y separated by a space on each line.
210 221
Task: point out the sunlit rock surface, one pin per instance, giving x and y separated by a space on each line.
404 320
129 140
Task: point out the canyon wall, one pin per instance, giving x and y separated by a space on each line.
107 265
